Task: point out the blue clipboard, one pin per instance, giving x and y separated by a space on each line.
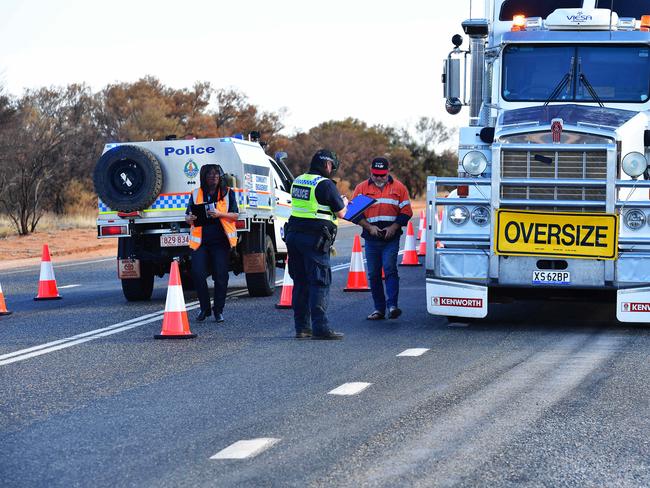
357 206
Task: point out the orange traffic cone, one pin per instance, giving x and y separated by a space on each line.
410 257
421 224
47 282
287 288
422 250
3 305
175 323
357 280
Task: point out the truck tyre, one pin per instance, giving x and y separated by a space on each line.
139 289
263 284
128 178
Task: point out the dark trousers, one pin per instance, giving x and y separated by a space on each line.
383 254
217 257
312 276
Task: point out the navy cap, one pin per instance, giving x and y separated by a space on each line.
379 166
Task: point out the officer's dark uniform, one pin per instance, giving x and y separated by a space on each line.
310 233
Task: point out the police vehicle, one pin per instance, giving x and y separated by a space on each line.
144 189
551 198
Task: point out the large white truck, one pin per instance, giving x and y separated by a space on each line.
144 189
551 197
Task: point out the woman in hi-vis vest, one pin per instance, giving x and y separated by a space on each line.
211 242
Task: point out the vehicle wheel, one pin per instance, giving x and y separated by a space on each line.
140 289
128 178
263 284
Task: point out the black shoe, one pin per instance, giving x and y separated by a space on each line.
218 317
304 334
328 336
202 316
394 312
376 315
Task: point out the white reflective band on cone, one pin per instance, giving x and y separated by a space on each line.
175 300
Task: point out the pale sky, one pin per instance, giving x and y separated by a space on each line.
377 61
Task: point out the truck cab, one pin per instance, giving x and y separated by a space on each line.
551 197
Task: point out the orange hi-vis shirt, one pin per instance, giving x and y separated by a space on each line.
393 204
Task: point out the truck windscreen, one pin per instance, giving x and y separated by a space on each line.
626 8
539 73
540 8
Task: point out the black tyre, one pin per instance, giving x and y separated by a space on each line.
263 284
140 289
128 178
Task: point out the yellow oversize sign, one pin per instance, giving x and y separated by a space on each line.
571 235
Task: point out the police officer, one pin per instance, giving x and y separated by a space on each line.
316 206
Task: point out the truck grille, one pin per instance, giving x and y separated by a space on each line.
553 165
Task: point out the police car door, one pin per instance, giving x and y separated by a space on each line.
282 209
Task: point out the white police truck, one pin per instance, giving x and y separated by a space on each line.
551 198
144 189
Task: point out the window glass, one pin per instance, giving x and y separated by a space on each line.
531 73
538 8
627 8
616 73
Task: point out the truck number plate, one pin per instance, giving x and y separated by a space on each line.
551 278
174 240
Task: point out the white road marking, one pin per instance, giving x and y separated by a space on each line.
350 388
67 286
246 448
41 349
34 351
81 263
416 351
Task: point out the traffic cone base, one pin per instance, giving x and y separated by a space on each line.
287 289
47 282
175 323
357 279
3 305
410 257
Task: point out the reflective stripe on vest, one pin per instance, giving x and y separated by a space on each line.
303 200
229 226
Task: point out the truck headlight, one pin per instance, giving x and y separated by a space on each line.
474 163
458 215
634 164
481 216
634 219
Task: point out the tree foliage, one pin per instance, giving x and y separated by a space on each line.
50 139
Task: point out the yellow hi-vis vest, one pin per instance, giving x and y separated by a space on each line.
229 226
303 199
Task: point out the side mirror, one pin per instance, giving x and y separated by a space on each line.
451 82
280 156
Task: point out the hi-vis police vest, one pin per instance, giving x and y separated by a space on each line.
229 227
303 200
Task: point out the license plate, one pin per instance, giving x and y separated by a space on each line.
561 234
174 240
551 278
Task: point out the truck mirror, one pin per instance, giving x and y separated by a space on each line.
451 78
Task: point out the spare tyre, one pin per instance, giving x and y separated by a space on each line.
128 178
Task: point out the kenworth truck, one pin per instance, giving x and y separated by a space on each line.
551 198
144 189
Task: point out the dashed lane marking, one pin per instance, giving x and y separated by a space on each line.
246 448
350 388
414 352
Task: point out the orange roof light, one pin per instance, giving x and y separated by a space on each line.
518 23
645 23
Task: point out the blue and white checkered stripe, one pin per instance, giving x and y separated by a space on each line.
177 201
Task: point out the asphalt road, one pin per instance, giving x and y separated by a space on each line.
538 394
